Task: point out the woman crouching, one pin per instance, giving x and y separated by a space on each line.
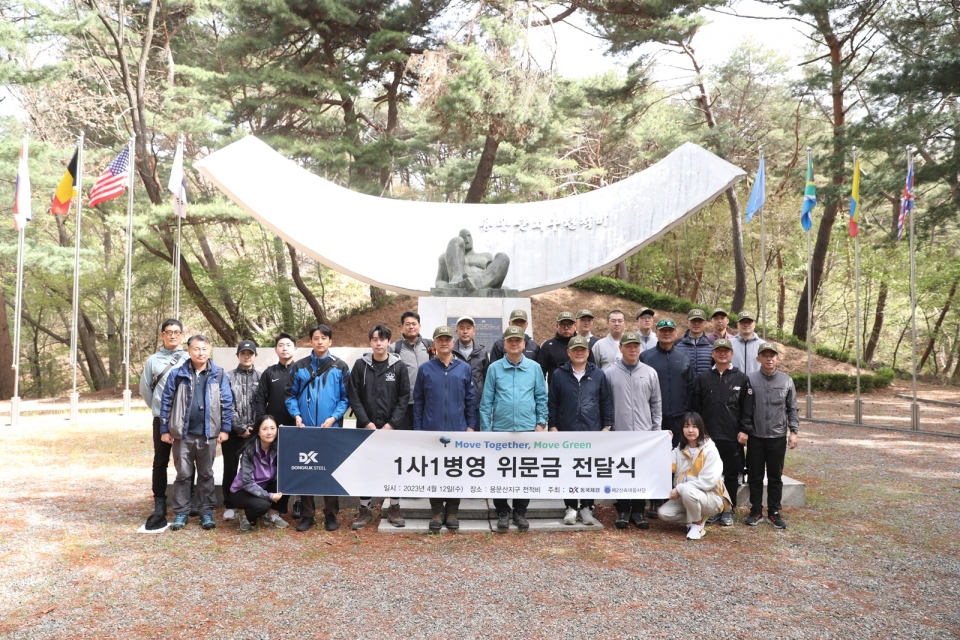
255 487
698 491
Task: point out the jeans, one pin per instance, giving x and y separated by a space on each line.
519 506
161 460
766 454
194 452
731 452
231 462
256 507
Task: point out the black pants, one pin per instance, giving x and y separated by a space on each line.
629 506
731 453
161 460
331 504
766 454
674 424
444 505
519 506
257 507
231 462
407 419
573 504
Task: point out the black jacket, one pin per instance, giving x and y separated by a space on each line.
271 394
579 405
725 402
478 362
553 353
379 398
676 378
531 349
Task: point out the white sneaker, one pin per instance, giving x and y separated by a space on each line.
696 532
228 514
571 516
586 514
276 521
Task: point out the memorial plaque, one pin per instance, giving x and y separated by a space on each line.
489 330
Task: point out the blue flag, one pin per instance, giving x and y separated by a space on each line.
759 193
809 199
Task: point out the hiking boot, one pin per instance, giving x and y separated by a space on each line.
726 518
180 521
776 520
652 513
364 516
436 523
275 520
207 521
622 521
520 519
503 523
229 514
306 523
160 506
570 517
639 521
394 517
297 510
715 518
696 531
753 519
244 523
586 515
330 522
451 522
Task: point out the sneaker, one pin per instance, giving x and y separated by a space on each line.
714 519
297 510
520 519
275 520
229 514
436 523
451 522
180 521
207 521
753 519
503 523
639 521
570 517
306 523
696 531
330 522
364 516
726 518
622 521
776 520
244 523
586 515
394 517
652 513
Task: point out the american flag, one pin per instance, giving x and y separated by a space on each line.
112 181
906 203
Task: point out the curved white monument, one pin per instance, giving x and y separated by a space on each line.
550 243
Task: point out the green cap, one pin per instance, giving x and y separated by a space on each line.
578 341
629 337
697 314
768 346
646 311
746 315
584 313
722 343
513 332
719 311
565 315
519 314
442 331
666 323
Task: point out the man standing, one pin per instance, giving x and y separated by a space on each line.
723 398
579 400
775 415
585 326
553 352
196 412
636 407
414 351
244 381
695 344
466 349
444 399
515 399
675 374
648 338
318 398
720 320
152 381
378 392
606 350
746 344
518 318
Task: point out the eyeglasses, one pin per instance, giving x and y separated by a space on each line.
172 334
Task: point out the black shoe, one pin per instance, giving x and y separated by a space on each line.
520 519
503 524
753 519
726 519
330 522
297 510
715 518
622 521
652 514
306 523
639 521
776 520
160 506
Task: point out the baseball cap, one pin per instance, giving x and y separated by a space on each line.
577 342
630 336
719 311
247 345
722 343
519 314
584 313
645 311
513 332
442 331
696 314
767 346
746 315
466 319
666 323
565 315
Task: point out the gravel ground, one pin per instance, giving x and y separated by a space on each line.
875 554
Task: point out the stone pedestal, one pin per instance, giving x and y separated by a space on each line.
491 315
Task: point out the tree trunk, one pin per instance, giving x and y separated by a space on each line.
6 352
877 322
283 286
377 294
481 179
318 313
739 261
622 270
393 111
113 342
936 328
216 276
781 294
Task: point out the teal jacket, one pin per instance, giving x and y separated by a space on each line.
514 397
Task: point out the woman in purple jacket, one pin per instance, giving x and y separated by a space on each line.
255 487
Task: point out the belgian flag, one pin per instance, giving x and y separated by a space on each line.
67 190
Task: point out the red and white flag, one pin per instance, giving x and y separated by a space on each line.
113 181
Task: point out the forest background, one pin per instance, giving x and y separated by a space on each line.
450 101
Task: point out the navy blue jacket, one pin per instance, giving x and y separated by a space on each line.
700 352
579 405
444 398
676 378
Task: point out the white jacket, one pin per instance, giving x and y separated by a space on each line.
705 471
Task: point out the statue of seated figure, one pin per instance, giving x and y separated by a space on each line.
462 268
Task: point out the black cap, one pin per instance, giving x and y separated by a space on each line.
247 345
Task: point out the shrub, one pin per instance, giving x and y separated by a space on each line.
843 382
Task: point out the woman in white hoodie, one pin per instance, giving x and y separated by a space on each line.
698 491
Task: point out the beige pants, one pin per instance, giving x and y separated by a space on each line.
693 506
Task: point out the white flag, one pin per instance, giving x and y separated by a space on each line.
178 184
22 207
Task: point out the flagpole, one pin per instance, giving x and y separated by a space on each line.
809 411
915 407
763 262
176 252
18 307
858 401
128 282
75 396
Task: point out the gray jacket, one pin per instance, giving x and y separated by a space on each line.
606 351
774 405
745 353
636 397
413 356
152 368
647 342
243 385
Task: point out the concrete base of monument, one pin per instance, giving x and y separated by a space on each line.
491 315
794 493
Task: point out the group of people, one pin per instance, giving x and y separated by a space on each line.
731 412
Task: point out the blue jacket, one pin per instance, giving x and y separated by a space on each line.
444 398
514 397
700 352
676 378
580 405
318 398
178 397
